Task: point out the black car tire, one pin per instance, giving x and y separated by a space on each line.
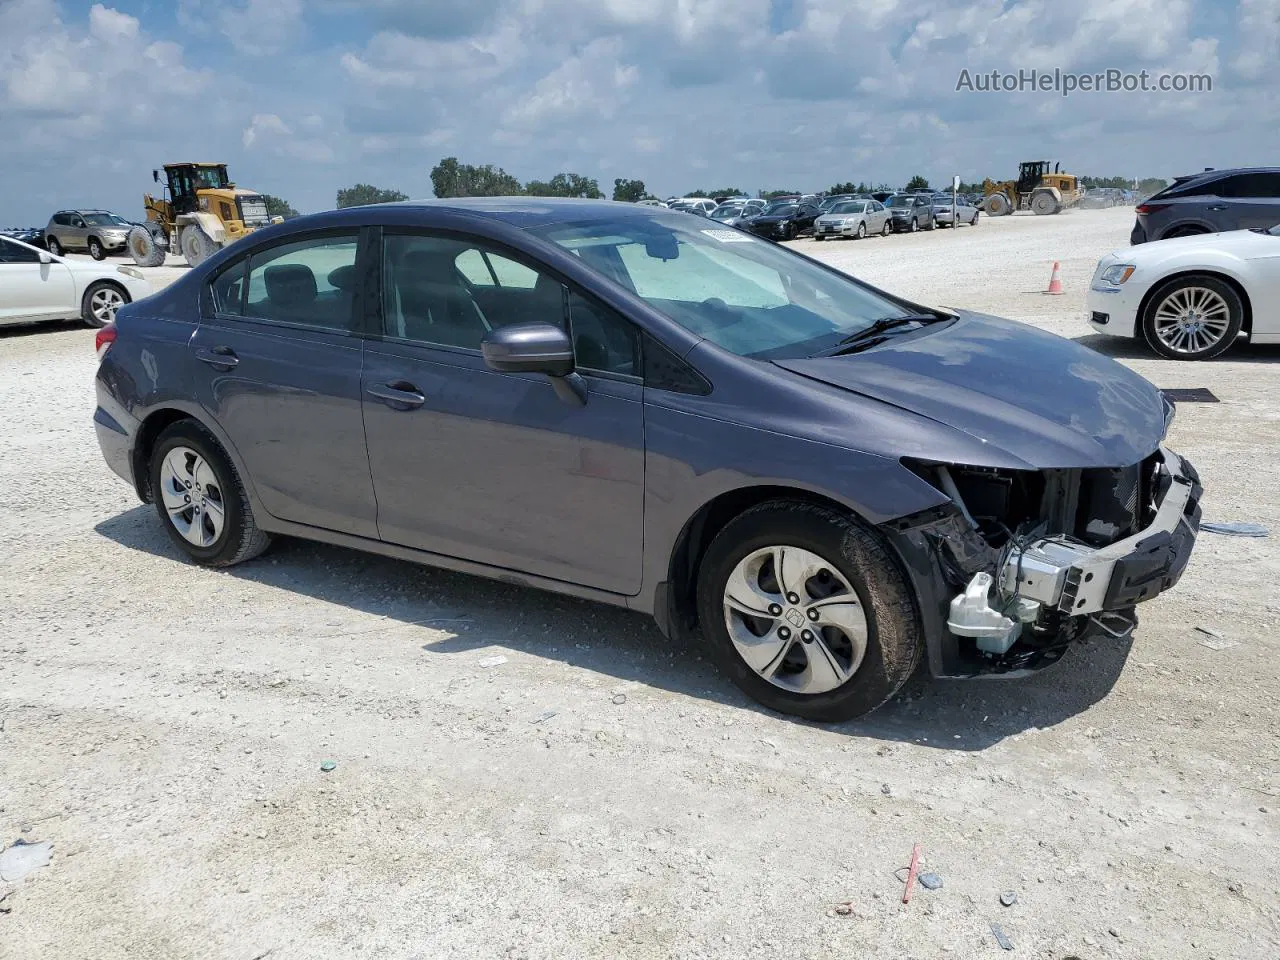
240 539
1235 310
96 249
974 221
915 225
111 291
862 231
887 229
1184 231
54 247
788 231
894 636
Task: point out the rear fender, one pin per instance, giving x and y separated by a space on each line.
207 222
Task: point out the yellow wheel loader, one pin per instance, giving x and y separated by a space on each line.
1038 189
198 212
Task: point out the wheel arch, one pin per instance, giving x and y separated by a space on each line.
155 422
676 600
1246 326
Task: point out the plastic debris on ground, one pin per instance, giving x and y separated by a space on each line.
328 766
545 715
1008 898
493 661
24 858
1001 937
1233 529
930 881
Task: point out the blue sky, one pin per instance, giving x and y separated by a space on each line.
302 97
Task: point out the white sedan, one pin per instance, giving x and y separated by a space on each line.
1192 297
36 285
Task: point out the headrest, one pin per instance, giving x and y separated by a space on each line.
290 285
343 278
430 266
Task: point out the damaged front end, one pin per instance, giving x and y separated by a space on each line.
1021 563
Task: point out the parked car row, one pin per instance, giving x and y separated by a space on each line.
836 216
98 233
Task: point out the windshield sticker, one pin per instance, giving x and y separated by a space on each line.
729 236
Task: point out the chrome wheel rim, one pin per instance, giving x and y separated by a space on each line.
104 303
795 619
1192 319
192 497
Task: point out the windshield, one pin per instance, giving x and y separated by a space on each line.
1273 231
105 220
746 295
779 209
848 206
724 213
899 202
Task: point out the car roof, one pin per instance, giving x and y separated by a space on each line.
1227 171
519 212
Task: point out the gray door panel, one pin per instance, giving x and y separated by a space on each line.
496 468
291 405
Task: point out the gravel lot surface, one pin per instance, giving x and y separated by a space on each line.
597 793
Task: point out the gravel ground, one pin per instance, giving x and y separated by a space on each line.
598 793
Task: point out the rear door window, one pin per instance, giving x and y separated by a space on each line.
309 283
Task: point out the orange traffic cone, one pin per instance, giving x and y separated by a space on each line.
1055 281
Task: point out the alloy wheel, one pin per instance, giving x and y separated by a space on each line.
795 619
104 303
192 497
1192 319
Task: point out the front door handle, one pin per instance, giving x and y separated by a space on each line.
398 396
1218 206
220 358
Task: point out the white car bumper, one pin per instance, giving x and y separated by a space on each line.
1114 310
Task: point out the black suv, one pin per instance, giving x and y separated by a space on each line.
1210 202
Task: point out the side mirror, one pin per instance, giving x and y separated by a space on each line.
46 256
535 348
155 175
528 348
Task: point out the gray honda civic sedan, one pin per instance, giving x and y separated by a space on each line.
821 481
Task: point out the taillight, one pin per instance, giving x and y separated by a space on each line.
1149 207
103 341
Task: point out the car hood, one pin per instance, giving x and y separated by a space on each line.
1031 396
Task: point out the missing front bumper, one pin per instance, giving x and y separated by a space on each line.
1075 579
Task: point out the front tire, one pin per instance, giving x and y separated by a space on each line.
915 226
1196 317
807 611
100 302
96 250
146 246
1043 204
886 229
862 231
200 499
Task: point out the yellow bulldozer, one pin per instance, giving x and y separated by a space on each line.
198 212
1038 189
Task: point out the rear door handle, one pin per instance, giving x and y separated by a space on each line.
398 396
220 358
1218 206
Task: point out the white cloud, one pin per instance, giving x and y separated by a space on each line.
266 131
254 27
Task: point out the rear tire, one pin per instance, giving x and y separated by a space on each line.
188 462
1043 204
96 250
100 302
1184 232
145 247
880 616
196 245
55 247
